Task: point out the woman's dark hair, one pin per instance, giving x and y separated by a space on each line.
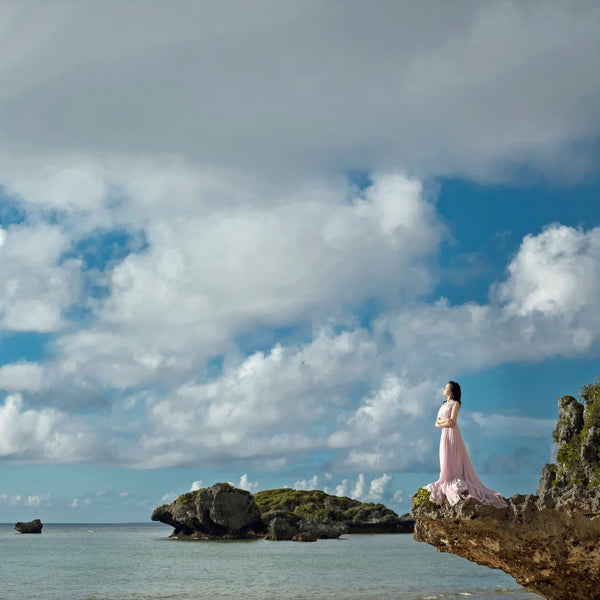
455 389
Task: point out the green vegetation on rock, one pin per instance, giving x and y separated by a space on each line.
318 505
421 498
577 435
192 497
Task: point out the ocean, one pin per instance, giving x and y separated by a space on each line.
140 562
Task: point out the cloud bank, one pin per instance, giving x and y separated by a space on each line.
180 357
474 89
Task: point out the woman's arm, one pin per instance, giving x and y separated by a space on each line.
451 421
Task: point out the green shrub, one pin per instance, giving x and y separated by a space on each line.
190 497
422 498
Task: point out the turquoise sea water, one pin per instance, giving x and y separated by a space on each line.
140 562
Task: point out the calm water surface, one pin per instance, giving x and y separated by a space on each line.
139 561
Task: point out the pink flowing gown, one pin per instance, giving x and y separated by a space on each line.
458 479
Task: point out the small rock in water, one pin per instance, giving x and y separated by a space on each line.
34 526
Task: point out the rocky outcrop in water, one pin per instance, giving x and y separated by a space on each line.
345 515
549 542
34 526
223 511
220 511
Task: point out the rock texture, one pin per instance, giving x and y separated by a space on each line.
549 542
282 525
34 526
550 545
220 511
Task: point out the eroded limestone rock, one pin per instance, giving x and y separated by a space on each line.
284 525
577 437
220 511
550 545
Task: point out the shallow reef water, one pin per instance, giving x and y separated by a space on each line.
140 562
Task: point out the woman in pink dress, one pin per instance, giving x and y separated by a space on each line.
458 479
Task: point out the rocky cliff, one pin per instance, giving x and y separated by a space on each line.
549 542
577 437
223 511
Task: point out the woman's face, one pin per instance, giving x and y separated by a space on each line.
447 390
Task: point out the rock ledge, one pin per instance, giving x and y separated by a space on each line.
550 545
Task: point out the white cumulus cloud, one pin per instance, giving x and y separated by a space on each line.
362 490
44 435
307 484
37 286
555 273
246 484
22 376
30 500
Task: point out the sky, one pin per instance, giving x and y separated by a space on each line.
252 241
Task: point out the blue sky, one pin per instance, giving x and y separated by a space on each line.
251 242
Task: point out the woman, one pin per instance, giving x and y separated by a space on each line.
458 479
